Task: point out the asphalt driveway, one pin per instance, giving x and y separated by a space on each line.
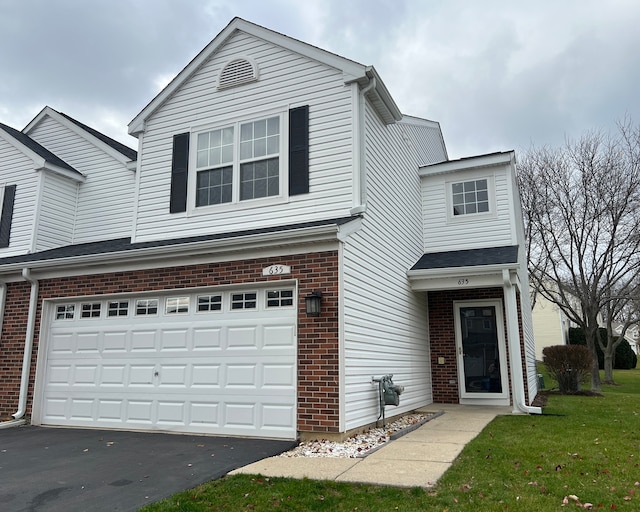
55 469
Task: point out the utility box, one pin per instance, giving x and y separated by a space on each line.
391 392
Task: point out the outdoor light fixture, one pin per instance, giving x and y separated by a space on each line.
313 302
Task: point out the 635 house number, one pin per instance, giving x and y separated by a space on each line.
463 281
276 270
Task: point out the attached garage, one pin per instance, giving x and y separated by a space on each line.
214 361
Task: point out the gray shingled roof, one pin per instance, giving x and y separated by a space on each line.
121 148
468 258
28 142
124 244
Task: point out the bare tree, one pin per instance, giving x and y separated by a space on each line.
623 309
581 205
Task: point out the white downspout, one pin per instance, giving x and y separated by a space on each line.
515 352
3 300
28 345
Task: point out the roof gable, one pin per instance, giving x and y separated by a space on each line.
42 158
116 149
351 71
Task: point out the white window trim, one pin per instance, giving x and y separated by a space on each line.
467 217
236 204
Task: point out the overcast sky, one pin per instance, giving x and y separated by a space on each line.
497 75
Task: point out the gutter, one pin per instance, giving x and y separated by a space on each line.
312 235
513 335
28 345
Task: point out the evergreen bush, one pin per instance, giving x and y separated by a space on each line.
623 359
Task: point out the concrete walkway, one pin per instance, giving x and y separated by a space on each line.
417 459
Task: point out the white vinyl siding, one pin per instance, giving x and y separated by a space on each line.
17 169
105 199
385 323
57 212
443 232
286 80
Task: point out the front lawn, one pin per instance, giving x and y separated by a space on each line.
582 451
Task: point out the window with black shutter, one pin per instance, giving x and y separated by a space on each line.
6 218
179 173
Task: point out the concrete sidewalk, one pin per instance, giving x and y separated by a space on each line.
417 459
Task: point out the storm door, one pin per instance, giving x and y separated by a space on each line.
482 367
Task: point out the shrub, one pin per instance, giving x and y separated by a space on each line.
570 365
623 359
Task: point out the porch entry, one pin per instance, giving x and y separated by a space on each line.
481 352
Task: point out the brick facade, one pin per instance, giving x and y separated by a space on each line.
318 346
443 340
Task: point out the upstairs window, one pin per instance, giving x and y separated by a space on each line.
238 162
241 161
470 197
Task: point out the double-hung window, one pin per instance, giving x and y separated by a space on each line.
238 162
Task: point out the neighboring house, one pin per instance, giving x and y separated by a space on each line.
632 335
550 325
270 175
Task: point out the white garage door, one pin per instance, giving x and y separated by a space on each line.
205 362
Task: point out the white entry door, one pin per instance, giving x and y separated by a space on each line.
201 362
482 365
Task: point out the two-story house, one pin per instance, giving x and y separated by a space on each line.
285 237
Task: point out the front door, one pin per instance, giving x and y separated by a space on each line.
480 340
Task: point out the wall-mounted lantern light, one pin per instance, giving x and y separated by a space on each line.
313 303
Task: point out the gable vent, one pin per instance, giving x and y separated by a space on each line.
237 72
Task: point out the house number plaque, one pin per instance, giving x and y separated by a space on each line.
276 270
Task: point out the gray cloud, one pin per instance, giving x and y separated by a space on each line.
496 74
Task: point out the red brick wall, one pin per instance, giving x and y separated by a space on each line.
443 339
318 354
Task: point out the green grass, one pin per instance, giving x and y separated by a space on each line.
588 447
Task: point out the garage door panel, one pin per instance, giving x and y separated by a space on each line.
88 342
241 375
141 375
140 411
174 340
278 336
278 376
171 412
114 341
113 375
110 410
61 344
173 375
242 338
206 339
277 416
85 375
228 373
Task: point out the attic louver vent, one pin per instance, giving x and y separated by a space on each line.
237 72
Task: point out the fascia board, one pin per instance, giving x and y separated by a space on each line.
77 177
348 67
474 162
91 139
38 161
419 121
467 271
171 252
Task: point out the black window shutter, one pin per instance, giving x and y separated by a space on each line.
299 150
179 167
7 215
